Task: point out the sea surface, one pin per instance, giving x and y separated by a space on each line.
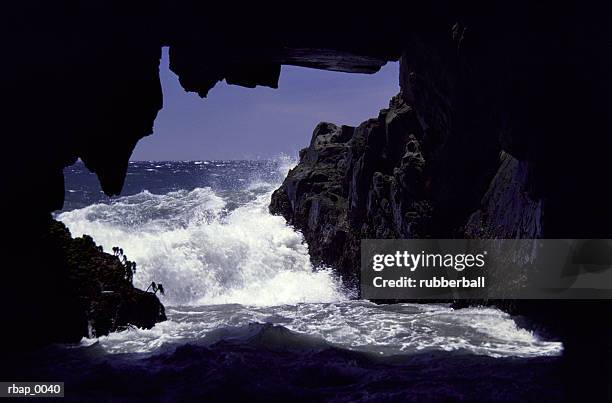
250 318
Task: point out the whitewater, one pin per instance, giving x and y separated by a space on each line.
203 230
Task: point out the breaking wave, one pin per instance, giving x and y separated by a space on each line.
204 252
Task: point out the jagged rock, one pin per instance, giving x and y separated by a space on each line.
345 186
104 299
313 196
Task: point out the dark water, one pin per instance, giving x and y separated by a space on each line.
263 362
250 319
161 177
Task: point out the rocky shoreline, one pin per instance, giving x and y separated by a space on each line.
87 291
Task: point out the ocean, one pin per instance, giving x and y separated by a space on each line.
249 316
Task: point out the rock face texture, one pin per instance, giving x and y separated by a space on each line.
353 183
382 180
314 195
508 209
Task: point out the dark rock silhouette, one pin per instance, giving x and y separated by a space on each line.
98 288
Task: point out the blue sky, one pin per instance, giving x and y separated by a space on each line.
244 123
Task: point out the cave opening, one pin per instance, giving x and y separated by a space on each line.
235 123
193 212
238 123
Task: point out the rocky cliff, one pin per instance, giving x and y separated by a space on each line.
386 179
358 182
418 170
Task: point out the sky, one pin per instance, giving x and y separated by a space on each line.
260 123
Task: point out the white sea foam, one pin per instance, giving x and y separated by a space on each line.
357 325
203 254
229 268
